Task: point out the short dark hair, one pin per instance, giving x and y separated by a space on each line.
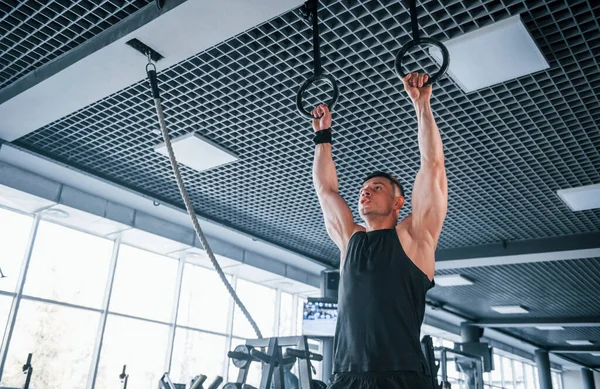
390 177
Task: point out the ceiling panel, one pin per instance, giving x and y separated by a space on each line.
508 147
36 32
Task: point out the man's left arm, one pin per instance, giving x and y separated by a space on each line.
430 190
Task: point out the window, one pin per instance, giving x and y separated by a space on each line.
5 305
195 353
300 314
14 236
556 380
497 372
260 302
68 265
507 373
286 314
519 375
529 376
61 340
140 345
204 301
144 284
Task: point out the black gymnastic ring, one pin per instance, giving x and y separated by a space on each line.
418 42
323 77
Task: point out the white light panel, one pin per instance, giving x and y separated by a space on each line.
493 54
581 198
509 309
197 152
452 280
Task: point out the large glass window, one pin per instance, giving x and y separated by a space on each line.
556 381
300 314
5 304
286 314
68 265
497 372
144 284
61 340
14 236
519 375
507 373
529 376
140 345
204 301
260 302
195 353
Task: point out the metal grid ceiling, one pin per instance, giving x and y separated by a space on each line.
558 289
569 288
508 147
36 32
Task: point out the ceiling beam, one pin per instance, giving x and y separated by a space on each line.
523 251
575 349
553 321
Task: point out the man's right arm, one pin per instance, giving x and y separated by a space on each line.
339 221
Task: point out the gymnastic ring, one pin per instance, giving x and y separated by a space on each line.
331 104
418 42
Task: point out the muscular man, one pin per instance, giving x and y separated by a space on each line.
387 267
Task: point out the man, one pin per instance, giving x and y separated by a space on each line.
386 268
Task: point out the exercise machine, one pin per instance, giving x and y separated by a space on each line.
196 383
470 364
124 377
280 351
27 372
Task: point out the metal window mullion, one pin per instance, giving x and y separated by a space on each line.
295 313
12 316
229 330
277 312
104 315
174 313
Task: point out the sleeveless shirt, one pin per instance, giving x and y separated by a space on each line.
381 306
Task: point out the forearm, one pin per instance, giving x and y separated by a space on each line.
430 140
324 173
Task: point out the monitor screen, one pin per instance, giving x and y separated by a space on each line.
319 318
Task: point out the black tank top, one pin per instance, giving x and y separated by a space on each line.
381 305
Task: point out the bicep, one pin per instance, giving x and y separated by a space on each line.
338 218
429 202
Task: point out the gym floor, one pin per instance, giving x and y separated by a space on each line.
101 266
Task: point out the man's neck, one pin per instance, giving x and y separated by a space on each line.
381 223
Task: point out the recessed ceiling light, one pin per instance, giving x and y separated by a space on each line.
580 342
581 198
550 328
510 309
493 54
53 212
197 152
452 280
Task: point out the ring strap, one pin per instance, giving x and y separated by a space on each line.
413 19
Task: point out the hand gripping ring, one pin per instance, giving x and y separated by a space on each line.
418 42
331 104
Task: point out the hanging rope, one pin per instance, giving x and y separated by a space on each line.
310 10
418 41
188 205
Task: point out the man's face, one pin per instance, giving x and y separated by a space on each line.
376 197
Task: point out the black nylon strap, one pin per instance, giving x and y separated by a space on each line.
323 136
313 9
413 19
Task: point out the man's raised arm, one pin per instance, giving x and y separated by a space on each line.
338 217
430 191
